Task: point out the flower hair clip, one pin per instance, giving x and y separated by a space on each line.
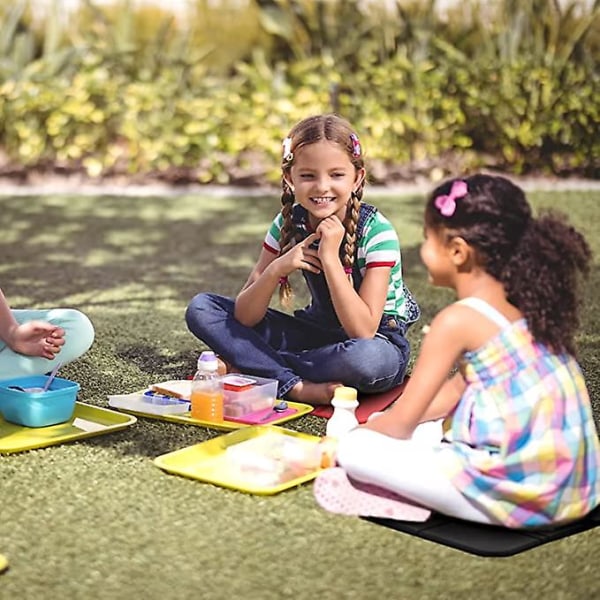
447 204
356 149
288 155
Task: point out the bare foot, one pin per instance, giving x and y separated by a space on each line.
313 393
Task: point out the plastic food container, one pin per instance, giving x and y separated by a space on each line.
245 394
150 402
23 401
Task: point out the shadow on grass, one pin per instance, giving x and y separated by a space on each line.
133 264
61 246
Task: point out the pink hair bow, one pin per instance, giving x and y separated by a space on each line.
447 204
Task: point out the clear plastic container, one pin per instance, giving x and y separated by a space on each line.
245 394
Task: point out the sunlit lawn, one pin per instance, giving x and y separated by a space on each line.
98 520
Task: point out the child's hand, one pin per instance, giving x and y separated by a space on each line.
37 338
301 256
332 233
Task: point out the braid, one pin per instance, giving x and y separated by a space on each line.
287 236
350 224
358 194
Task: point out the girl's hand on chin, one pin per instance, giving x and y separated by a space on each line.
332 232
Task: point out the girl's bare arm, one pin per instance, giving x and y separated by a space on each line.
7 321
359 312
428 394
253 300
446 399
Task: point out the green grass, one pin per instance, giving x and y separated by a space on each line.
96 519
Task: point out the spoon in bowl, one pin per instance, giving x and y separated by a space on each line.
51 377
39 389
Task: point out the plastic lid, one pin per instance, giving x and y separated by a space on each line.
208 361
345 393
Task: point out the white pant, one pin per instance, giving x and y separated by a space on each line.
79 335
411 468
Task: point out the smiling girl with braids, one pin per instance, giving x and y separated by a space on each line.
353 331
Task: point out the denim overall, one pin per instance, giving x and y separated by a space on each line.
310 344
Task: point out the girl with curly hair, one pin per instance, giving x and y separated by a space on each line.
510 438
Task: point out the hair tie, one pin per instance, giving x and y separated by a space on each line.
348 270
283 280
447 204
356 149
288 155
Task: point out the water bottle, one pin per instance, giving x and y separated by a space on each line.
343 419
207 390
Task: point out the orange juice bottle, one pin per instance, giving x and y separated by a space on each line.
207 390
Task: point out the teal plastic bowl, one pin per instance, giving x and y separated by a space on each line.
33 408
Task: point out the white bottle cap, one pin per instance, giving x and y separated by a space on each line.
345 397
345 393
208 361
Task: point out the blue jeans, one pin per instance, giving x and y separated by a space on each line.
290 348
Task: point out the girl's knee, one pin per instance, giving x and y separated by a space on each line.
199 304
85 331
206 310
77 325
361 355
79 332
375 364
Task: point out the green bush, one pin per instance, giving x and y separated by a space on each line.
120 89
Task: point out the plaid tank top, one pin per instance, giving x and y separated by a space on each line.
521 443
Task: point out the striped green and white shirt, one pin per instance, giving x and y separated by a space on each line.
377 246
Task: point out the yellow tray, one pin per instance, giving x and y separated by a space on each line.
263 466
301 409
3 563
87 421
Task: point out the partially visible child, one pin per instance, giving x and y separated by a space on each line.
32 342
519 446
353 331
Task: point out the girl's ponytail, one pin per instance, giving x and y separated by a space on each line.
543 279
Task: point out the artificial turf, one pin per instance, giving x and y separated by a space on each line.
96 519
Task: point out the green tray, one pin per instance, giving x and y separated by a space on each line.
87 421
